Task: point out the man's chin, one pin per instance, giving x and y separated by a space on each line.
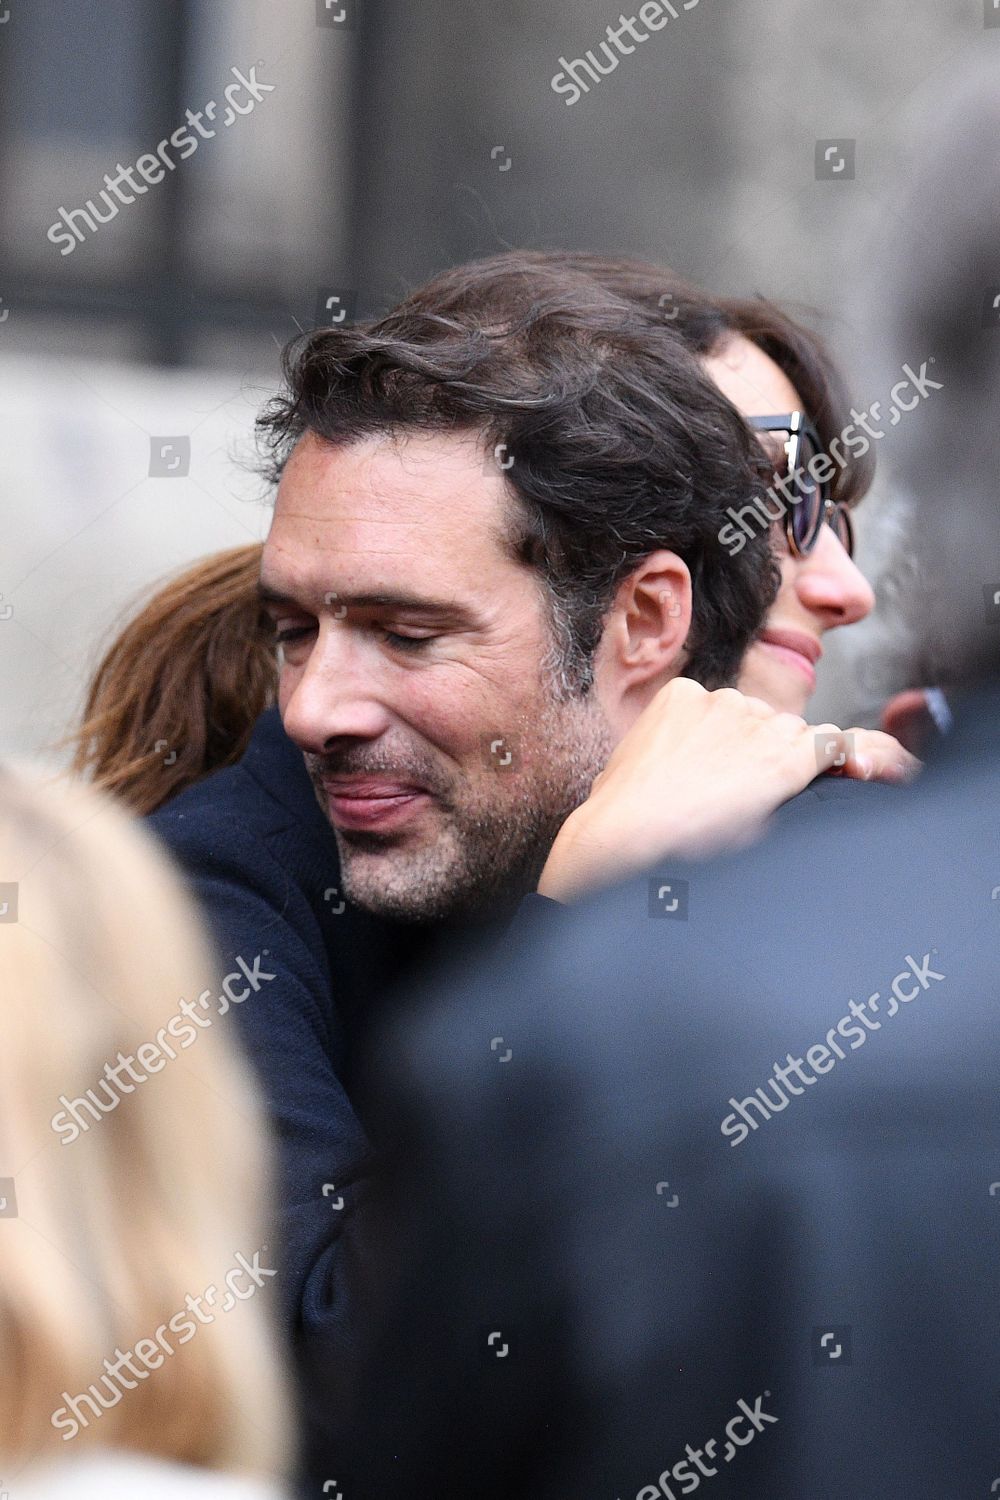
415 908
385 883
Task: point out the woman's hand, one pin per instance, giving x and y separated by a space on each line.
699 772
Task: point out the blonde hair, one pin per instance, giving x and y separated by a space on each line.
152 1202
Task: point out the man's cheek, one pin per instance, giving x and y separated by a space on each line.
459 716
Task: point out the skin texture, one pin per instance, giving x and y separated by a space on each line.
819 592
460 744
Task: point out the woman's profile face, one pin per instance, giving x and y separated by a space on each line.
818 592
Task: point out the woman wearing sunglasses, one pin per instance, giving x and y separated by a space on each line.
821 585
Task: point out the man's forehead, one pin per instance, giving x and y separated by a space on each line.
383 504
390 469
437 479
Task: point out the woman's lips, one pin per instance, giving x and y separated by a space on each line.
372 804
795 649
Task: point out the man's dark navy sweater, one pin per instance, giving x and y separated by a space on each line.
264 865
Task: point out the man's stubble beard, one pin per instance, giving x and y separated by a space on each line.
489 856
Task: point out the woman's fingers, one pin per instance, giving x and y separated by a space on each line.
873 755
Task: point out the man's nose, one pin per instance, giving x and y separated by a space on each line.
335 695
831 584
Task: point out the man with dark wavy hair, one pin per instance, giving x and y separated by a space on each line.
496 538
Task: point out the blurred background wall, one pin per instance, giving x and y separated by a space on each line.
368 144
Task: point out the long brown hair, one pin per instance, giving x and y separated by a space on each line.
179 690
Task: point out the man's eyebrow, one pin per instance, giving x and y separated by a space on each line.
415 603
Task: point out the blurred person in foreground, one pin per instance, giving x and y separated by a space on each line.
700 1186
135 1330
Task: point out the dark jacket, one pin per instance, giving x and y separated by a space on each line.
262 860
604 1252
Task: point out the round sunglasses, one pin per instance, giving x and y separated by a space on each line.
811 504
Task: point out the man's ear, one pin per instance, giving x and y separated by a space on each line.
643 641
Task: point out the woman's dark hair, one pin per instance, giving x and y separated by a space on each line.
707 323
179 690
617 441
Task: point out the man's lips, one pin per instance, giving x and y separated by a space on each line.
369 786
370 802
795 648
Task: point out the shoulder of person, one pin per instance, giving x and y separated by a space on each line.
265 793
836 793
255 828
